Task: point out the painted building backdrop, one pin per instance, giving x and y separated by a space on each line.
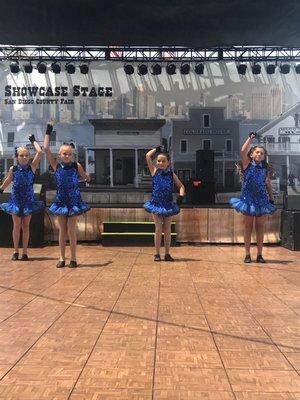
215 111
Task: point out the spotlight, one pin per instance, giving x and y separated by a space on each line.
185 69
42 68
270 69
284 68
297 68
156 69
14 67
142 69
171 69
28 68
242 68
199 69
70 68
84 68
55 68
256 68
128 68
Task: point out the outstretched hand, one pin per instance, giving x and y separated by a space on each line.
252 135
49 128
32 139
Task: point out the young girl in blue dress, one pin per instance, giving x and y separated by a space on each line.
161 204
256 199
22 203
68 203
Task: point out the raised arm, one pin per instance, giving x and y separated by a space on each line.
149 156
245 149
48 152
38 153
8 179
83 174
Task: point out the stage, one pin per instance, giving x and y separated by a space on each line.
123 327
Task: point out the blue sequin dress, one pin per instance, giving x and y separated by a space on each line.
161 202
68 200
254 198
22 201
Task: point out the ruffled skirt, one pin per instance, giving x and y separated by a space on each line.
68 211
22 210
166 211
249 208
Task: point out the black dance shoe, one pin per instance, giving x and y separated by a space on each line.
61 264
260 259
247 259
73 264
169 258
157 257
24 257
15 257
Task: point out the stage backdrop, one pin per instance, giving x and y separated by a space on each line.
215 111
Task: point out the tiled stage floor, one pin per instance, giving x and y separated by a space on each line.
123 327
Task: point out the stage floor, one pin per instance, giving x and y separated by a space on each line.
123 327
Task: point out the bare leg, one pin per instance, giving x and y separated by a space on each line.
248 221
167 233
16 232
25 232
259 227
158 231
62 221
72 235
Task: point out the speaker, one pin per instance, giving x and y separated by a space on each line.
36 236
205 165
200 192
292 198
290 230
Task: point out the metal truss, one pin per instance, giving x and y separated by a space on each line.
149 54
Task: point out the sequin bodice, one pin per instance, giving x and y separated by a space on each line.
254 184
162 186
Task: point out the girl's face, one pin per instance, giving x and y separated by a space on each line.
258 154
23 157
162 162
66 154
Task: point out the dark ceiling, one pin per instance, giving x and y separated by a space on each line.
188 23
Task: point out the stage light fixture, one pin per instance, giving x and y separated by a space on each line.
185 69
199 69
270 68
14 67
55 68
70 68
28 68
142 69
297 68
171 69
41 67
256 68
156 69
284 68
84 68
242 68
128 68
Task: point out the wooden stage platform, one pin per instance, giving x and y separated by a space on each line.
193 225
121 326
